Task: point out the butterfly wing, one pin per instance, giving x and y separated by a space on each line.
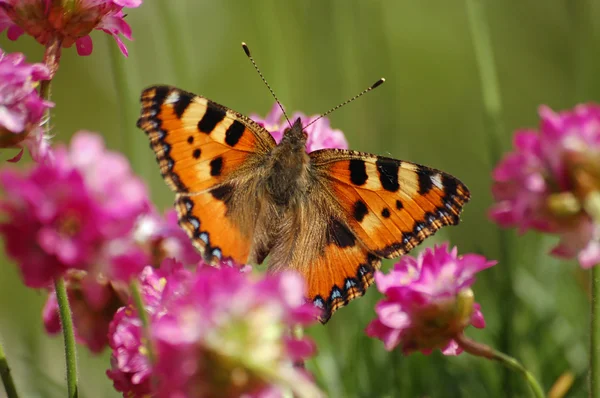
362 208
198 143
207 154
391 205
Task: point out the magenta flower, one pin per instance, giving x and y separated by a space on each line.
546 182
93 304
428 301
70 21
162 238
215 332
131 370
320 134
21 108
73 213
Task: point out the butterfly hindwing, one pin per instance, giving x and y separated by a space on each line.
390 205
213 231
198 143
314 240
340 274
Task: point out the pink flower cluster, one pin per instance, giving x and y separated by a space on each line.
73 213
537 186
71 22
86 217
21 108
94 299
215 332
320 134
428 301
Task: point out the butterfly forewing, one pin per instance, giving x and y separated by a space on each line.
391 205
198 143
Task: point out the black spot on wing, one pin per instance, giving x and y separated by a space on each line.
190 139
234 133
425 183
388 173
211 118
358 172
222 192
216 165
182 104
196 153
399 204
360 210
386 213
339 234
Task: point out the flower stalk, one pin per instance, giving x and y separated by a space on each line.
136 295
51 59
66 322
7 380
482 350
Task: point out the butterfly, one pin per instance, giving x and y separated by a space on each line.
332 215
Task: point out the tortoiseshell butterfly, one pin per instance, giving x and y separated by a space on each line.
331 214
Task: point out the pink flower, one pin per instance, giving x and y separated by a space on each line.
71 21
320 134
545 182
428 301
131 370
73 213
216 332
21 108
162 238
93 303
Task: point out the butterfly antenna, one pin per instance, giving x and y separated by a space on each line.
247 51
373 86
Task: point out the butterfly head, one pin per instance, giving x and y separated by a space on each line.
294 136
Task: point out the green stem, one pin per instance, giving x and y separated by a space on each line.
9 384
52 59
67 327
136 295
490 89
482 350
595 334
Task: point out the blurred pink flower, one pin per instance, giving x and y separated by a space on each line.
21 108
131 369
71 21
93 304
428 301
162 238
216 332
544 183
73 213
320 134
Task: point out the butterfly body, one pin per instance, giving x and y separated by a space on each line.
288 167
331 215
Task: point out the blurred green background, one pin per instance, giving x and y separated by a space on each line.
316 54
